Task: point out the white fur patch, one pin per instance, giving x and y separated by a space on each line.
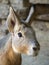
14 49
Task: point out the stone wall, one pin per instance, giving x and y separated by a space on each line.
18 5
40 1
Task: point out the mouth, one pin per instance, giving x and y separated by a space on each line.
33 55
36 53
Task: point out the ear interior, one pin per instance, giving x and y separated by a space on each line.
12 23
12 20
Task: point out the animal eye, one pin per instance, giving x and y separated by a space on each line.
20 34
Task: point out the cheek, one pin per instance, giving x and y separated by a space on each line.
19 48
22 49
15 38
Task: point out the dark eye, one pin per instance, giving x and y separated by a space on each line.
20 34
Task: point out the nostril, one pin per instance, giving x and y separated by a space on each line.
34 48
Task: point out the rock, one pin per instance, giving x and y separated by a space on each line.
4 1
40 26
21 11
3 10
39 1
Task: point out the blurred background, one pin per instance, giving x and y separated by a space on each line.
41 28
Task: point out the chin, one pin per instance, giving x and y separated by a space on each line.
33 54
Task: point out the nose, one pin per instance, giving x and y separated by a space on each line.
37 47
34 48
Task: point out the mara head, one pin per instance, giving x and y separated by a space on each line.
23 36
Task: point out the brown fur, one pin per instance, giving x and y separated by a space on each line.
9 57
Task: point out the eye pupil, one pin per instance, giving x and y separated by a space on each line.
19 34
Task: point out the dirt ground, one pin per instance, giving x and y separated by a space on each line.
42 35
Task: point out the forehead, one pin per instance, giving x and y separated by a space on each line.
22 27
25 27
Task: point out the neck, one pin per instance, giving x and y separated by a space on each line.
10 57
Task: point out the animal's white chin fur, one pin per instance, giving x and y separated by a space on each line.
14 49
32 53
29 53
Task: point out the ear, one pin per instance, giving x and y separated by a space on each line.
12 20
29 15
